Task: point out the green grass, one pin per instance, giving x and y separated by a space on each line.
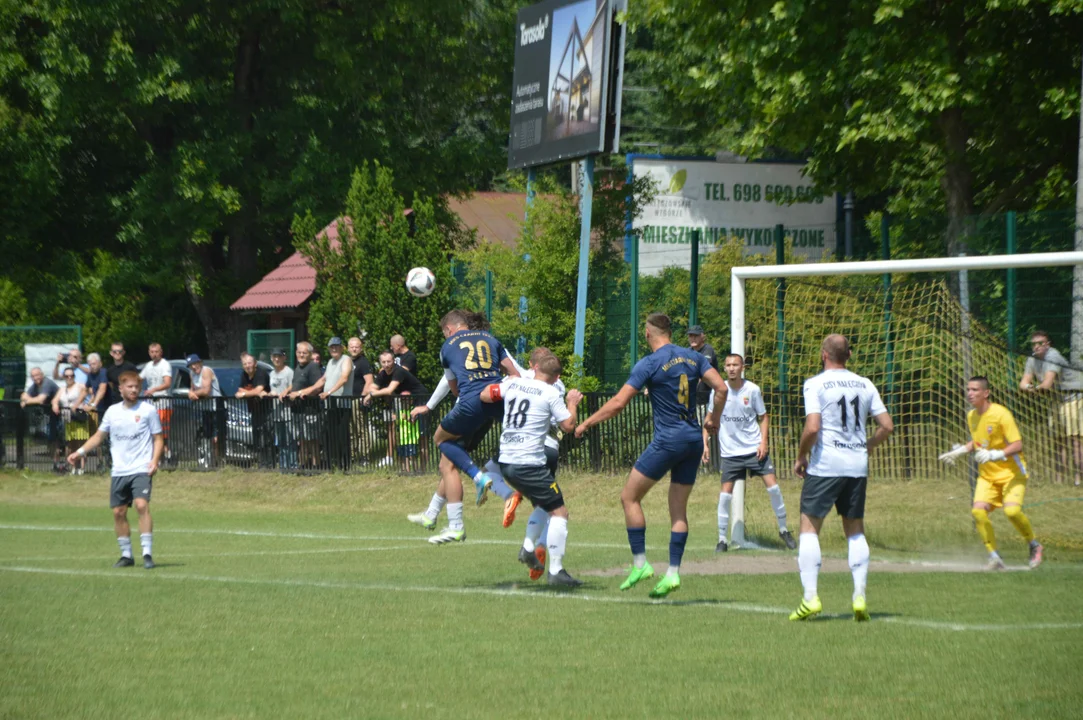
334 607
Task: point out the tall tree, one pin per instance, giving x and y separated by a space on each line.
958 106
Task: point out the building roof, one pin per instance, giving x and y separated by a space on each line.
495 217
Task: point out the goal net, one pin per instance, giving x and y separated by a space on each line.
913 335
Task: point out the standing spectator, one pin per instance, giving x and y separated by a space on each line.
255 382
40 391
316 358
698 342
204 389
307 380
157 375
97 396
1048 368
404 356
337 385
116 350
73 359
360 429
281 384
391 380
67 405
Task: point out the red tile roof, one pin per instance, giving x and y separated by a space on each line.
495 217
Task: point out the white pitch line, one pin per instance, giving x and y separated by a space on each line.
313 551
530 594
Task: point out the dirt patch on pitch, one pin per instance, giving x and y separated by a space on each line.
736 563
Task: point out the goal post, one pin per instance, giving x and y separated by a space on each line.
937 336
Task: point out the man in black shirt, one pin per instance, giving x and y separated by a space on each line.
391 380
360 432
404 356
41 391
255 382
698 342
119 366
306 416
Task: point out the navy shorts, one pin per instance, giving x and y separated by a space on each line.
470 419
681 459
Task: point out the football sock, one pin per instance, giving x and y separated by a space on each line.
677 541
859 562
145 541
557 543
985 528
125 546
499 486
1015 515
724 500
808 562
455 516
459 458
535 524
775 495
637 541
435 506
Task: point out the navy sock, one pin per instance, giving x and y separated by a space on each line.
459 458
637 540
676 547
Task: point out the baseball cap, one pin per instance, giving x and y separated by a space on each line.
277 351
695 330
336 340
192 360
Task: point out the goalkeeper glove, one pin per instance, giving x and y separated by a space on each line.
983 456
948 458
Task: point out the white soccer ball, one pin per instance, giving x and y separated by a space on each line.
420 281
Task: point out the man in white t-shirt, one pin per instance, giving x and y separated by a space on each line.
742 442
157 376
531 405
135 442
833 459
281 384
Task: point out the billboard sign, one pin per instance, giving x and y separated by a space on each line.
558 98
729 200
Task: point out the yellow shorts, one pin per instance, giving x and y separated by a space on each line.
1070 414
1000 494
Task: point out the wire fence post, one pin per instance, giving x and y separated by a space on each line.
489 295
1010 232
693 286
633 304
780 307
885 254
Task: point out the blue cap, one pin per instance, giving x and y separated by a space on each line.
336 340
192 359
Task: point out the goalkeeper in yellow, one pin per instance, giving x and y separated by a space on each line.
1002 470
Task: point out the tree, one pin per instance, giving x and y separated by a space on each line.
360 278
941 105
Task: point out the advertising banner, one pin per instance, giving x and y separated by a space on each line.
559 92
729 200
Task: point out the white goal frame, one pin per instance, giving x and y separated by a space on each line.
739 275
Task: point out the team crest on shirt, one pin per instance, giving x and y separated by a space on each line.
988 429
137 418
745 400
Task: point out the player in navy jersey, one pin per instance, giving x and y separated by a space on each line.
472 360
671 373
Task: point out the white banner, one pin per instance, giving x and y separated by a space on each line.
43 355
726 200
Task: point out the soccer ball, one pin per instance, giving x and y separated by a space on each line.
420 281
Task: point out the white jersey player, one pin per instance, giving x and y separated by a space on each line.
742 444
532 405
833 458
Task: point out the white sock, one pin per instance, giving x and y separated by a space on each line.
435 506
145 541
775 495
859 562
994 555
499 486
673 570
557 543
808 562
455 516
535 524
724 500
639 560
125 546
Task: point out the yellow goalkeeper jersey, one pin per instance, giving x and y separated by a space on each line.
995 429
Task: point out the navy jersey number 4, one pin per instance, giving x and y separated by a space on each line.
672 375
474 357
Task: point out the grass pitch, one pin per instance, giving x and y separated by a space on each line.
312 597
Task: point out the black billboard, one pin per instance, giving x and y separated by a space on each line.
558 98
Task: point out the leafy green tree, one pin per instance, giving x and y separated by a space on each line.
360 278
937 106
